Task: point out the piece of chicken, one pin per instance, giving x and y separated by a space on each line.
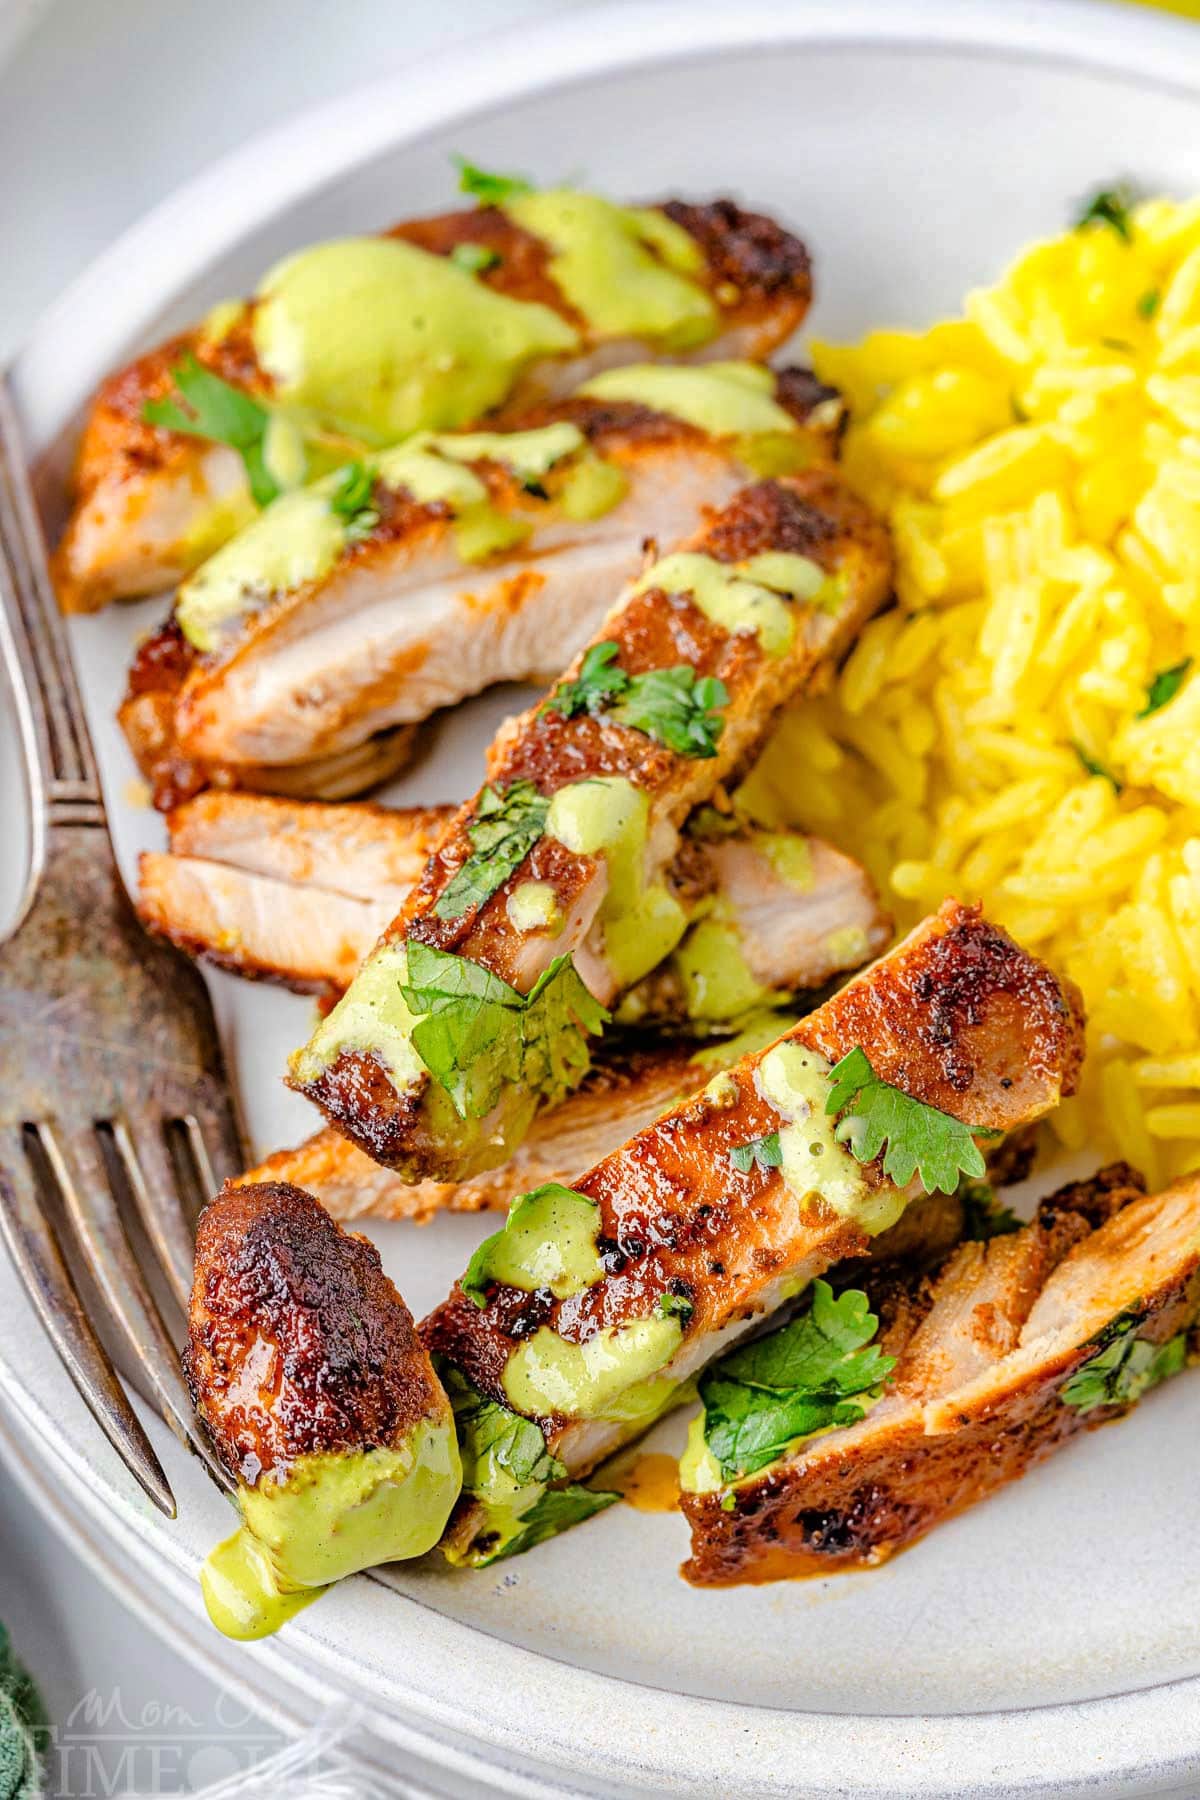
703 651
299 893
496 569
594 1306
320 1401
1021 1343
339 355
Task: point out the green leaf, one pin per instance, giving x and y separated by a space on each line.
478 1035
476 259
1164 687
1091 767
598 683
806 1377
983 1215
1125 1367
557 1509
1148 303
676 1306
508 823
490 1438
672 706
1111 207
489 188
208 407
675 708
353 499
765 1151
919 1138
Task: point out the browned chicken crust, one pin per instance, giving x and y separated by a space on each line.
297 1340
976 1398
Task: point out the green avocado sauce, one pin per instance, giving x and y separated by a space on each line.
547 1241
752 595
533 906
718 983
375 337
297 539
641 920
614 1375
629 272
795 1080
371 1016
725 399
333 1515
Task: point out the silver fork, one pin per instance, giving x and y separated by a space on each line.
111 1075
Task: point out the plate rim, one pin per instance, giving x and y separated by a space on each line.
1123 1735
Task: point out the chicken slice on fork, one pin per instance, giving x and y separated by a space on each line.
438 322
595 1305
413 578
547 897
1022 1342
299 893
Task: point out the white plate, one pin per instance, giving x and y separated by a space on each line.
1045 1643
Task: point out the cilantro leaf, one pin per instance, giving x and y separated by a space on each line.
476 259
598 683
760 1399
672 706
675 708
1091 767
983 1215
765 1151
507 824
1125 1366
1164 686
1111 207
676 1306
919 1138
492 1440
208 407
486 186
557 1509
478 1035
353 499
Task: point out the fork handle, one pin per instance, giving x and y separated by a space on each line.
59 759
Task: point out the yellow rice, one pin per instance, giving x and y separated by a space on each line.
1039 461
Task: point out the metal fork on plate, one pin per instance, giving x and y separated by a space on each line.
115 1110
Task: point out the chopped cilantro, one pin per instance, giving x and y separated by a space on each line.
557 1509
479 1036
1164 686
803 1378
1091 766
205 406
1125 1366
353 499
673 706
491 1439
765 1151
983 1215
489 188
507 824
919 1138
1111 207
676 1306
1148 303
476 259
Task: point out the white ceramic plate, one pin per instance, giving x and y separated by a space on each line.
1045 1643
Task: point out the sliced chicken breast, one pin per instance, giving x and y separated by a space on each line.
1023 1342
476 1007
594 1306
451 317
455 563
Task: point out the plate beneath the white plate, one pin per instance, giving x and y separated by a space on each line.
1047 1641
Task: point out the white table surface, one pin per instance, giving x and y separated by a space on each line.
105 107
